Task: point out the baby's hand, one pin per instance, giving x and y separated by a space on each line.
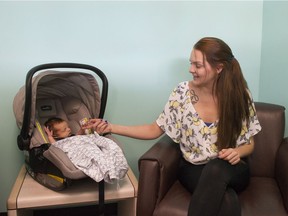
48 132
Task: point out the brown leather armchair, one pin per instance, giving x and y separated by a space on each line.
161 194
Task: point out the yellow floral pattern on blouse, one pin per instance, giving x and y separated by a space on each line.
181 122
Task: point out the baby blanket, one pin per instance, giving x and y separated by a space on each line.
97 156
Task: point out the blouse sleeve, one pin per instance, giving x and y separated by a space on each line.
170 120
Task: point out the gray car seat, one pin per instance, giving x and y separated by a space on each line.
71 95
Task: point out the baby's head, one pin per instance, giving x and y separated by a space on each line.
59 127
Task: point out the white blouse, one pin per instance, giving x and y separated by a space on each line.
181 122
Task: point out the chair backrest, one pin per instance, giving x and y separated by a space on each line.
268 140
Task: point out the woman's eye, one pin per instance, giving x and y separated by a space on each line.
197 65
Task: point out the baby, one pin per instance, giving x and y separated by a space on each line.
57 128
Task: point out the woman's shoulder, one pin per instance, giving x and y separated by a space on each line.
182 86
180 91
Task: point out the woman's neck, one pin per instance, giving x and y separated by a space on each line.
203 91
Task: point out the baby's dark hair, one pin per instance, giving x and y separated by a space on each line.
52 121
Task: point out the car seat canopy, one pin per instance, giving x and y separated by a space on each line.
63 94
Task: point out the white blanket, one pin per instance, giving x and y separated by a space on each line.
97 156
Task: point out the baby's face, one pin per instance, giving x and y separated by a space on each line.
62 130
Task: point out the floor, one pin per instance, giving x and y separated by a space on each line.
110 210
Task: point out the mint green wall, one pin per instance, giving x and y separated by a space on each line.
274 72
143 47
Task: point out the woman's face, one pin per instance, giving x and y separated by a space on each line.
202 72
61 130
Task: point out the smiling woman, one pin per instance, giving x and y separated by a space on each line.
219 83
198 116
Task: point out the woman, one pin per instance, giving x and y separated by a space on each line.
213 119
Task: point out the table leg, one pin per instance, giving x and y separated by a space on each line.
127 207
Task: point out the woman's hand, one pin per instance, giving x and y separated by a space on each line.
231 155
234 155
100 126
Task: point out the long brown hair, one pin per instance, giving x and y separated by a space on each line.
230 88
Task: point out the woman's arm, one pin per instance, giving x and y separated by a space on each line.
145 132
234 155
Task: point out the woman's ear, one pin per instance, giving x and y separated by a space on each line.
219 68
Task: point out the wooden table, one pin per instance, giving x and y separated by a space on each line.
28 195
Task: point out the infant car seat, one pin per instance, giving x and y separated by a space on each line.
70 95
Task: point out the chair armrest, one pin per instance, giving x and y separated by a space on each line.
281 168
158 169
